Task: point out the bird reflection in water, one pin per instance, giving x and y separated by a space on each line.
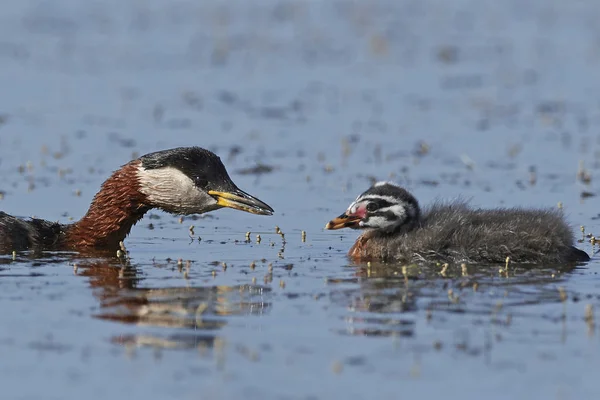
384 299
194 315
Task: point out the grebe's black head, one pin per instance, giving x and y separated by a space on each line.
192 180
385 206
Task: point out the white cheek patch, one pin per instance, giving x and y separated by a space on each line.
171 189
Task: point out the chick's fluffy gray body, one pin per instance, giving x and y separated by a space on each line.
454 232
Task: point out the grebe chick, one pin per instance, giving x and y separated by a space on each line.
397 230
184 180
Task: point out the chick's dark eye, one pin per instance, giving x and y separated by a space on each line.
371 207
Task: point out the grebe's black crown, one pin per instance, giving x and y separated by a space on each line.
192 180
202 166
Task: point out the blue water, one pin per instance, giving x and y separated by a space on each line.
450 99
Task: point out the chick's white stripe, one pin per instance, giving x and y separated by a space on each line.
389 199
397 209
383 183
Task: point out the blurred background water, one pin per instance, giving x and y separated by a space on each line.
306 102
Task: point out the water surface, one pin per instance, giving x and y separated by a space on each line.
492 101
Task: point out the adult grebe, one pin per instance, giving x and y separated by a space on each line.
184 180
453 232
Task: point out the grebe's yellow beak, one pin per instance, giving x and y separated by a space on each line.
242 201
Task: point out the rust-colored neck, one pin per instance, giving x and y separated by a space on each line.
114 210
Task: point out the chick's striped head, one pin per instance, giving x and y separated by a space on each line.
385 206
